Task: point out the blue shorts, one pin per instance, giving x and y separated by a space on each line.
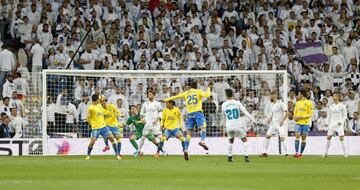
104 132
169 133
197 118
302 129
115 131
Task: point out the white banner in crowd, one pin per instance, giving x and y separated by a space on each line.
217 146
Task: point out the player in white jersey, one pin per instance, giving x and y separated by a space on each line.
236 126
336 117
151 113
275 121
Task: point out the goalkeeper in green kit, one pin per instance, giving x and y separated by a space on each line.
139 126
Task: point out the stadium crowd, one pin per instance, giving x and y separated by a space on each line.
174 35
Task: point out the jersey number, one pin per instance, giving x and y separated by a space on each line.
232 114
192 99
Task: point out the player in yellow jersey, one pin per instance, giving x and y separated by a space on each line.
193 100
171 125
111 114
98 126
303 111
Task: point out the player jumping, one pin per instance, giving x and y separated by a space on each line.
235 125
111 113
193 100
276 122
135 120
336 118
303 111
171 122
98 126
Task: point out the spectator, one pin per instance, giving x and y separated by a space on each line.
50 109
5 108
7 64
5 131
9 87
72 117
354 124
17 124
82 110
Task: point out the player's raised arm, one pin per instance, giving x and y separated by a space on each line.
206 94
116 110
181 95
247 114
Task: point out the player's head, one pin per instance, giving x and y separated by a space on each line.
170 104
133 110
274 96
229 93
193 85
151 94
336 96
303 93
95 98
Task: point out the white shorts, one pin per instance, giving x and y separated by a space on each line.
274 128
333 130
240 133
150 128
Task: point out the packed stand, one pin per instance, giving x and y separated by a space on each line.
175 35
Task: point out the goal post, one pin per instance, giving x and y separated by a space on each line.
69 137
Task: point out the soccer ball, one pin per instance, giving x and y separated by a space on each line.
101 97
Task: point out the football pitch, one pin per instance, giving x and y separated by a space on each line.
172 172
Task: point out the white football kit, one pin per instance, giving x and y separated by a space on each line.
336 114
236 125
151 111
278 110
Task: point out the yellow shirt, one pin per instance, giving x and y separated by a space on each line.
305 109
171 119
193 99
111 113
95 116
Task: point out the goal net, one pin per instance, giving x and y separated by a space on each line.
67 94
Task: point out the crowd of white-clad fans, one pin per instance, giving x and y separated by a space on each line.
173 35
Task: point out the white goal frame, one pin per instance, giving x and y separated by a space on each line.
162 73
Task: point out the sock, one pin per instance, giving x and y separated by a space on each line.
343 146
89 150
187 142
118 148
327 147
114 145
202 134
303 145
141 144
134 144
246 147
161 144
106 142
297 142
283 145
267 141
182 140
230 147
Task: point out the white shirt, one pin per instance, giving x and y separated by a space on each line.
151 110
71 113
5 109
82 110
336 113
278 110
352 106
89 57
290 125
50 110
113 100
232 109
219 89
21 86
16 124
7 60
37 54
349 53
8 89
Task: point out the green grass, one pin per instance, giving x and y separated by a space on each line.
170 173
